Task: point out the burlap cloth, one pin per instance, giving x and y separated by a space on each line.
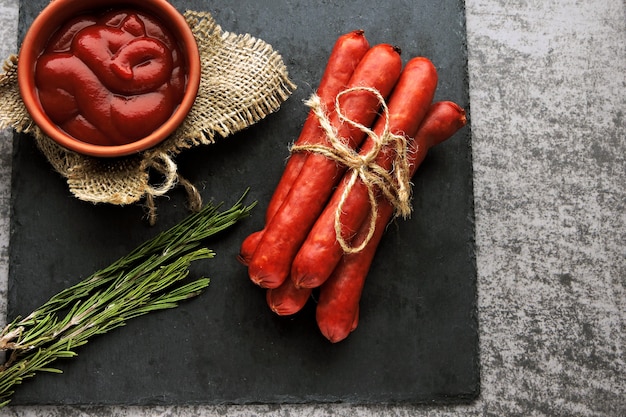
243 80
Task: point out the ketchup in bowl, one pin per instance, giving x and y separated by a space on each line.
111 78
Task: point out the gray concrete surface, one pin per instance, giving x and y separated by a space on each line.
547 93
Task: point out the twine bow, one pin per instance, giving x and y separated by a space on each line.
164 164
394 185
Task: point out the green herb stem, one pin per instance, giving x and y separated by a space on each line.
147 279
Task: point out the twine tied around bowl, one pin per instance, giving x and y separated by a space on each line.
243 80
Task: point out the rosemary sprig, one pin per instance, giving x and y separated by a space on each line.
147 279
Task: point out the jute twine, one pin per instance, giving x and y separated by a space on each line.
395 184
243 80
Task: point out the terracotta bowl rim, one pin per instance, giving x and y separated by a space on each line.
57 12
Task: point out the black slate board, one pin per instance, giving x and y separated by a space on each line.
417 340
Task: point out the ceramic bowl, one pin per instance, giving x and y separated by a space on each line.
60 11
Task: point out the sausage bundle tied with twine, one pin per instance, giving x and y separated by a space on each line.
394 184
243 80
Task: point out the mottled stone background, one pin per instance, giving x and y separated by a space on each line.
547 92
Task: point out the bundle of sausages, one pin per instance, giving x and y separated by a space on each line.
312 223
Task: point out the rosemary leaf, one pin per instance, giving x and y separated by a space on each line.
148 279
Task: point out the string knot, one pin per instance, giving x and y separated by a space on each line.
393 184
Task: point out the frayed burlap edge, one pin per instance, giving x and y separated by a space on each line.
243 80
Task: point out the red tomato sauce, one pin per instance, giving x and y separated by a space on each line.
111 78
